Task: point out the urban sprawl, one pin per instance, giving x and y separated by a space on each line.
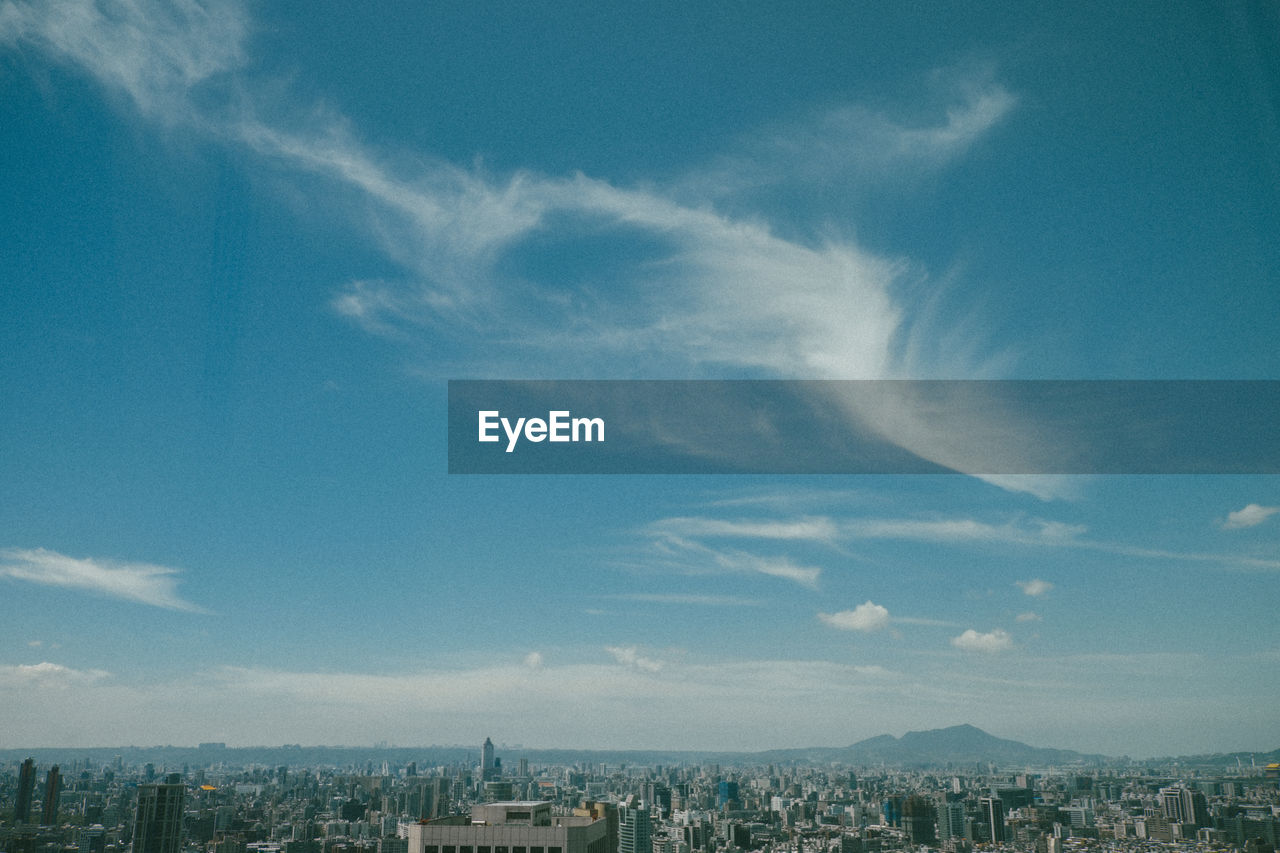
485 806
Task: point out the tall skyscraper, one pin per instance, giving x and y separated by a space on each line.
951 821
1171 800
726 792
993 813
918 820
158 826
488 766
635 834
52 791
1182 805
26 788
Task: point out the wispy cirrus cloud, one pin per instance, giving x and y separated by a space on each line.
720 291
159 54
143 583
813 529
822 529
676 544
683 533
1036 532
855 144
774 566
717 290
689 556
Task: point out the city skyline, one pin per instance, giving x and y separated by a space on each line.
252 246
233 803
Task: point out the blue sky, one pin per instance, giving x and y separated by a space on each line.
249 243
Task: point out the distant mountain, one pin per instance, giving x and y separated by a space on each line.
962 744
939 748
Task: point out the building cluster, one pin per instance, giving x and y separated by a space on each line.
484 807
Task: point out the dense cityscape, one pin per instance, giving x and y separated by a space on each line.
213 803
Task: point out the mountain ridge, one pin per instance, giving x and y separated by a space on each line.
953 745
960 744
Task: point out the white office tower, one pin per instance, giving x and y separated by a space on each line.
635 833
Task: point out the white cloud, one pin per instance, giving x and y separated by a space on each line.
533 660
1251 515
866 617
1040 533
47 674
778 567
1035 588
687 555
993 641
816 529
156 52
860 145
1036 532
733 292
718 290
1029 616
630 656
140 582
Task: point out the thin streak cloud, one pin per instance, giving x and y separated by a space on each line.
142 583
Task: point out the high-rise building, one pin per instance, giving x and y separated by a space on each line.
488 765
26 788
441 797
726 792
951 821
635 833
1182 805
918 820
158 825
52 791
1171 800
993 814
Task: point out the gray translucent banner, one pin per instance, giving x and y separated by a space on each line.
982 428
